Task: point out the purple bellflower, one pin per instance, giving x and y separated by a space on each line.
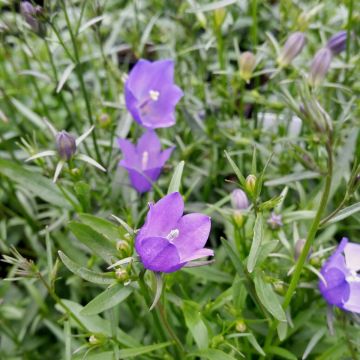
169 240
342 287
144 161
151 95
337 43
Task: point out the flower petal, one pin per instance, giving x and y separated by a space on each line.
163 216
158 254
129 151
132 105
156 122
194 231
352 256
353 303
149 142
139 181
138 75
164 155
198 254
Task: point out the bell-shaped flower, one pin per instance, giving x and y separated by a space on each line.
337 43
151 95
320 66
67 146
144 161
340 285
169 240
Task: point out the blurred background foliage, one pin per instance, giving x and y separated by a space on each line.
71 71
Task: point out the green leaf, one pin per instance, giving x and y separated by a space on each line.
107 299
282 330
195 323
86 274
212 354
234 258
268 298
102 226
293 177
344 213
313 341
237 171
267 249
82 190
256 243
176 179
35 183
210 274
285 354
96 242
212 6
29 114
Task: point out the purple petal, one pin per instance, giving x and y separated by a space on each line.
163 216
353 303
194 231
138 181
352 256
164 155
198 254
129 151
158 254
153 174
149 142
132 105
137 80
155 122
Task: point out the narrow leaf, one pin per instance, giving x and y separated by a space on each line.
64 77
256 243
344 213
176 179
237 171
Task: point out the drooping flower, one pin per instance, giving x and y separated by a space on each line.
151 95
340 271
320 66
67 147
292 48
144 161
337 43
169 240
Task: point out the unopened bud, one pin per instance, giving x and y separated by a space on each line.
238 218
32 14
240 326
239 200
122 245
250 184
121 274
66 145
279 287
247 65
219 16
337 43
104 120
292 48
320 66
93 340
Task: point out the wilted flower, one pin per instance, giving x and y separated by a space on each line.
341 283
292 48
144 161
168 240
247 65
275 221
320 66
151 95
66 149
337 43
239 200
31 15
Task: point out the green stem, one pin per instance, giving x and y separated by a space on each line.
349 26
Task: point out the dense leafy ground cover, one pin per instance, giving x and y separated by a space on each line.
289 123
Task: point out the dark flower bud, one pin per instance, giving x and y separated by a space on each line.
292 48
337 43
32 15
66 145
320 66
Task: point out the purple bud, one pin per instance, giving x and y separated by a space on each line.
292 48
320 66
239 200
337 43
31 15
66 145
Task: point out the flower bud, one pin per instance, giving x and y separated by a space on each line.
250 184
104 120
239 200
219 16
66 145
121 274
93 340
32 15
275 221
292 48
240 326
337 43
247 65
238 218
320 66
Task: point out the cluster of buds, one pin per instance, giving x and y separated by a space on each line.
34 16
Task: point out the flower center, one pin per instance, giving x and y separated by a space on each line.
144 159
353 277
173 234
144 105
154 95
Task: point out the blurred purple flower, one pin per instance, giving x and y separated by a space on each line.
144 161
320 66
239 200
292 48
168 240
151 95
340 271
66 145
275 221
337 43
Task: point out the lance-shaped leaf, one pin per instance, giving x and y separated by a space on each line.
256 243
176 179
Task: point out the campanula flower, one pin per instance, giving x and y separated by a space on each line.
337 43
144 161
340 271
169 240
151 95
320 66
292 48
67 146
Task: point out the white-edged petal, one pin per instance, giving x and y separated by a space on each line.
41 154
58 169
82 137
90 161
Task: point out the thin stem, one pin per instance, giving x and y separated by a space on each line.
349 26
